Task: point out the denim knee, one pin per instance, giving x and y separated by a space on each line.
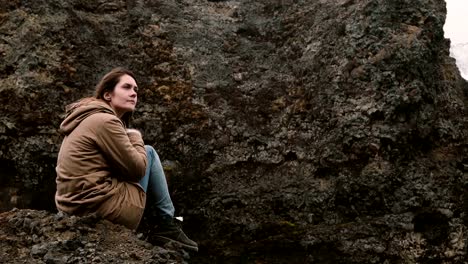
150 150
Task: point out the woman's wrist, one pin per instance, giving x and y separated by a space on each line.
133 131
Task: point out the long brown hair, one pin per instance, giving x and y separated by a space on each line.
108 83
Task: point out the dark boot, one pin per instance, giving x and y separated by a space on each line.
169 231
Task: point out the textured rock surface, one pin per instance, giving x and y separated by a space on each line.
294 131
29 236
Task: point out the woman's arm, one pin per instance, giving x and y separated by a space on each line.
124 149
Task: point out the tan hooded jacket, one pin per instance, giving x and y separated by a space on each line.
99 165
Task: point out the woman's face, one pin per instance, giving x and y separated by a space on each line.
124 97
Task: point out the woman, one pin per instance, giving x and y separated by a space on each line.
105 168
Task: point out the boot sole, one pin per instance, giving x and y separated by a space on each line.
167 240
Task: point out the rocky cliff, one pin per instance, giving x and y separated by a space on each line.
293 131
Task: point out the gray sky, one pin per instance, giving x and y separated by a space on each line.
456 24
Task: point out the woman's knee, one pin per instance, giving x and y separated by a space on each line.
149 148
150 151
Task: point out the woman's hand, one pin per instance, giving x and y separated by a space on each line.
131 130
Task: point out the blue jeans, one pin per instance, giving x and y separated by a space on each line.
155 185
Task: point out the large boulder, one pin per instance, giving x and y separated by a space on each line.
293 131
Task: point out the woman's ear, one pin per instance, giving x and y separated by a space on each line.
107 96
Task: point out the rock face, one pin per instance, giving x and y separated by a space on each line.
293 131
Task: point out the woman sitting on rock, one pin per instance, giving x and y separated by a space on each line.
103 167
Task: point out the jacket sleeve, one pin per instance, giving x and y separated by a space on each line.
125 152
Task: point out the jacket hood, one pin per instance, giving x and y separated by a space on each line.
80 110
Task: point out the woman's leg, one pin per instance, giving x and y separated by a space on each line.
155 185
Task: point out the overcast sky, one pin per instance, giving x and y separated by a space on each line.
456 24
